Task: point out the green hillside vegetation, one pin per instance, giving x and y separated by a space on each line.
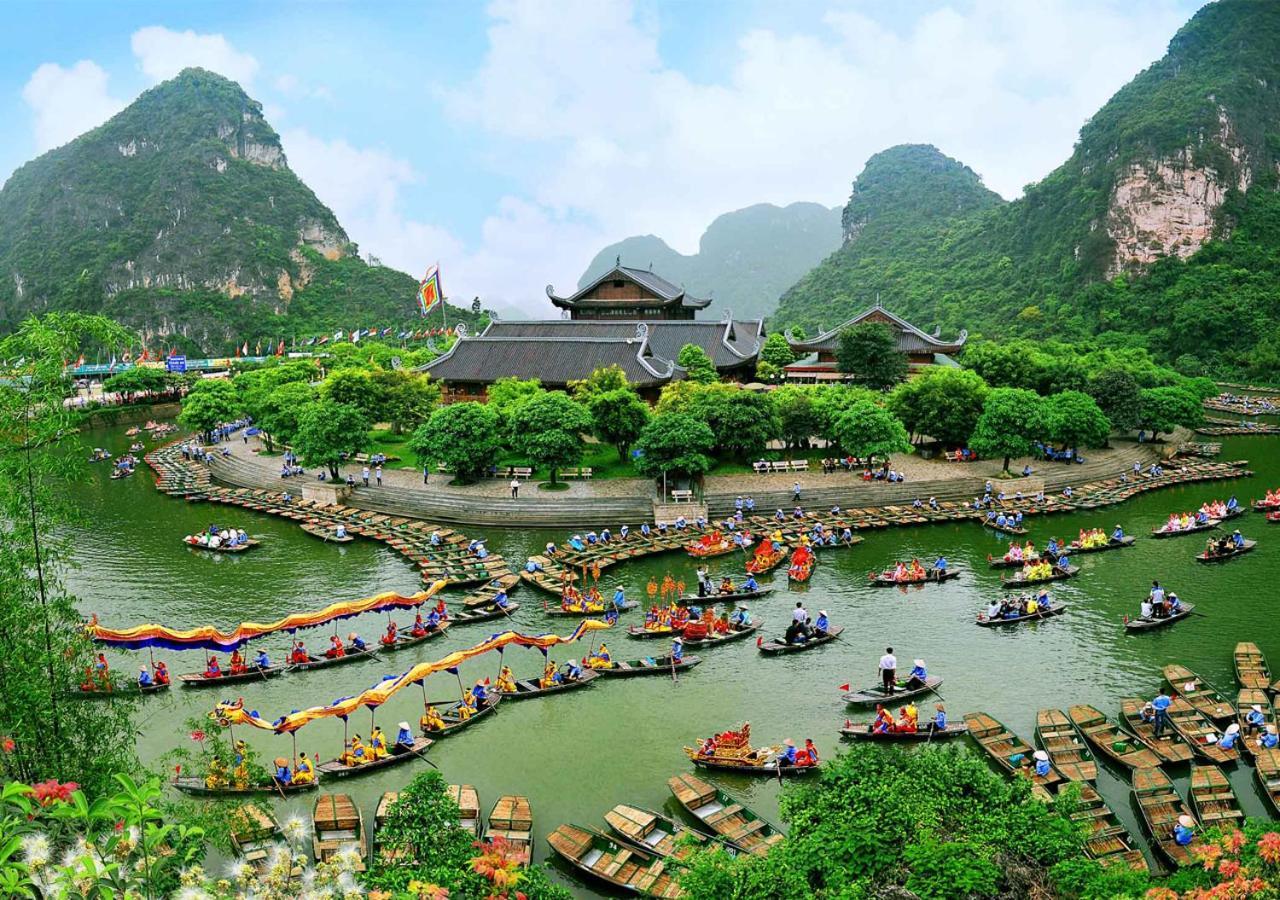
1036 267
180 216
745 259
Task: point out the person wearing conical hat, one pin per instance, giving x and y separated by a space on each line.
1184 832
404 739
788 755
1270 739
677 650
1042 763
283 776
1255 719
1228 740
939 720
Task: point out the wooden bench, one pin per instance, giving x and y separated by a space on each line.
799 465
682 496
583 472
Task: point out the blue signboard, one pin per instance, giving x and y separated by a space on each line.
176 364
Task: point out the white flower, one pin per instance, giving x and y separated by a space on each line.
347 858
296 829
192 892
35 849
239 871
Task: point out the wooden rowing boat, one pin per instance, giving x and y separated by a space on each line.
1067 752
326 533
1266 762
126 691
1169 746
723 815
1018 579
762 761
337 769
530 687
1161 806
1205 556
1004 529
872 695
1106 839
654 832
254 673
733 634
771 648
731 597
1251 667
1204 526
1106 738
1004 562
190 541
483 613
605 609
1202 696
1196 729
338 826
1038 614
931 576
454 722
861 731
254 833
1075 548
650 665
467 799
1010 752
1212 798
624 867
511 819
323 662
1142 623
194 785
1246 699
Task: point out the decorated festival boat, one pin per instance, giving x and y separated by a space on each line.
252 673
802 562
406 638
349 655
483 613
200 787
532 687
341 768
768 556
649 665
732 750
449 718
717 544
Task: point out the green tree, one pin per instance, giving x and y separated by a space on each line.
209 404
867 429
1166 408
354 387
798 418
145 380
1012 418
695 361
943 402
547 430
742 421
279 412
678 396
46 650
1118 396
869 353
506 396
776 351
405 398
1073 419
617 417
463 436
328 432
601 381
674 444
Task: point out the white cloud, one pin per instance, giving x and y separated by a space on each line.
67 102
639 147
163 53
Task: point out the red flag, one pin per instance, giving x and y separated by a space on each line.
80 361
844 687
280 349
144 356
237 353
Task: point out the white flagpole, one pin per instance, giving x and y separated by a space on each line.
440 286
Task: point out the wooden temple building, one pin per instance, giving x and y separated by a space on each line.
816 357
627 317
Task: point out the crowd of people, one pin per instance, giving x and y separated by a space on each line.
1019 607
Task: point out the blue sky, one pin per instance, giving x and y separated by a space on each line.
511 141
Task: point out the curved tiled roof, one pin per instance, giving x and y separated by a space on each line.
669 293
910 338
552 360
728 343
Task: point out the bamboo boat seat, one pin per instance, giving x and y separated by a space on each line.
722 813
746 830
619 860
707 807
341 834
1208 816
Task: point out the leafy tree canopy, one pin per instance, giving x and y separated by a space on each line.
463 436
1011 419
694 360
867 429
617 417
943 402
1118 396
548 429
1073 419
328 431
601 381
675 444
742 421
1165 408
869 353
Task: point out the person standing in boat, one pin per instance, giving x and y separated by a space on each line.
1157 600
677 650
888 671
1160 706
404 740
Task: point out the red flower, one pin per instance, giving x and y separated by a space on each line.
198 736
48 792
7 744
1269 847
1233 840
1229 867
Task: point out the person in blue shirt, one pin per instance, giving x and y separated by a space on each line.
940 564
356 642
531 565
592 537
1237 539
500 600
1270 738
262 661
779 516
1232 503
624 531
1118 535
1042 763
1052 548
1228 740
822 623
481 693
144 678
404 739
1001 521
1184 832
573 671
1161 705
1255 719
433 620
918 675
681 523
283 774
605 536
644 529
1064 562
750 584
741 617
619 597
1043 601
939 722
788 755
435 539
677 650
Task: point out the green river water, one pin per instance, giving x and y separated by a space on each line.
578 754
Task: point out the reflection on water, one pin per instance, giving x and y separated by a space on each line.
578 754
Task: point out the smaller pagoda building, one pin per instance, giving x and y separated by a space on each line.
628 294
816 357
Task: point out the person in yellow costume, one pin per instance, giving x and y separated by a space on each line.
217 776
303 772
240 775
909 720
355 754
467 708
600 659
431 720
549 674
377 743
506 681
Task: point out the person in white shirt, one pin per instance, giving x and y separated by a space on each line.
1146 609
888 670
798 631
515 488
